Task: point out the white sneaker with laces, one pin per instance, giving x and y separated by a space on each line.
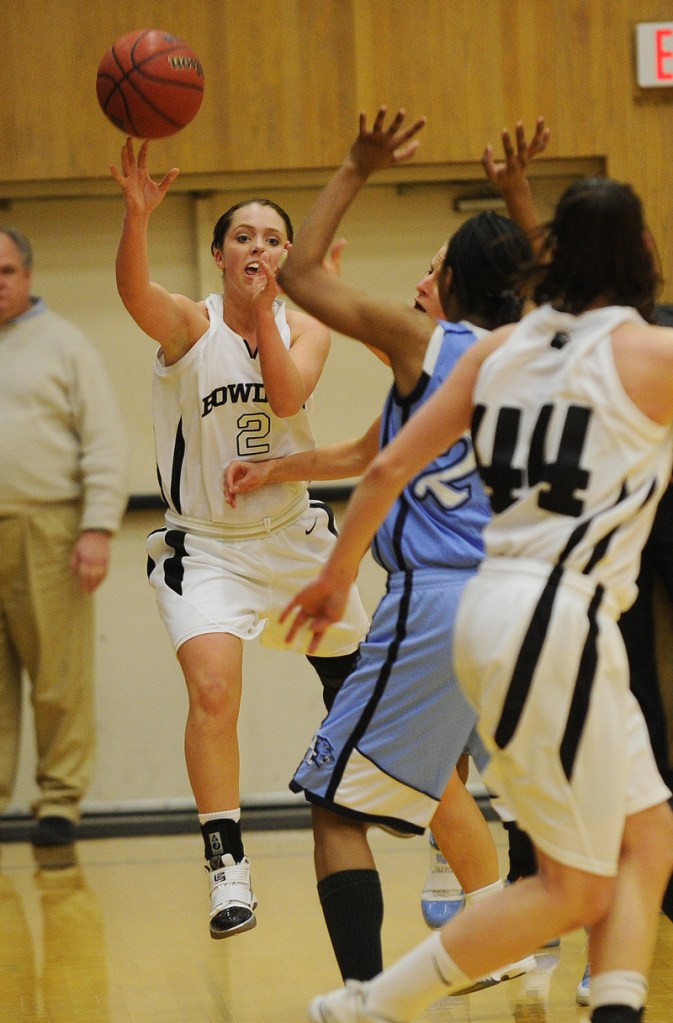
442 896
582 992
346 1005
232 901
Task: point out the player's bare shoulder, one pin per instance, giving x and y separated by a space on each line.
643 355
491 342
304 327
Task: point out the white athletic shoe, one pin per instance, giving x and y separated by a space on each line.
232 902
516 969
582 992
442 896
346 1005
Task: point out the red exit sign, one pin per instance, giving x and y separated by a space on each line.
654 46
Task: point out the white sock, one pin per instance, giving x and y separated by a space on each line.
422 976
483 893
227 815
618 987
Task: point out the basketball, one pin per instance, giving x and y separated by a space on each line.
150 84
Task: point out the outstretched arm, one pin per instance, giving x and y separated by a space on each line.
339 304
163 316
333 462
332 262
510 176
431 430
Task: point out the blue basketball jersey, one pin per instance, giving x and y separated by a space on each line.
438 519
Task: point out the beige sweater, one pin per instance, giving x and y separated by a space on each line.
61 433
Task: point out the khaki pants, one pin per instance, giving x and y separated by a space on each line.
46 628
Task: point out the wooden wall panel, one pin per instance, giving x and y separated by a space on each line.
286 79
279 84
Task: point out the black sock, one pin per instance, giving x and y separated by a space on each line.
616 1014
522 860
222 836
352 904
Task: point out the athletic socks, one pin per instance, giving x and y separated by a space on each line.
616 1014
618 996
222 834
424 975
352 905
483 893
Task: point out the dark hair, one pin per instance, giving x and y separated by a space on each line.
22 244
486 255
598 246
663 314
224 223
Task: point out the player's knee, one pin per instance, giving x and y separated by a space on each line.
648 837
328 822
576 898
214 696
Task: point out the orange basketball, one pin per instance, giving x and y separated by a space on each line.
150 84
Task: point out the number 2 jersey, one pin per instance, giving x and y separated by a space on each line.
438 519
574 470
211 407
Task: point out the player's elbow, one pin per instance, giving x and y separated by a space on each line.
387 474
294 279
286 278
285 406
131 295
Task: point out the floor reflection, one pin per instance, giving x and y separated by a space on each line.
53 964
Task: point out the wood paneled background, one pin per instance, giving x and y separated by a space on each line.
285 80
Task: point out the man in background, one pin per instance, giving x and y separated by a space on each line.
63 491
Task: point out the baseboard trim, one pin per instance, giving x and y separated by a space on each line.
178 822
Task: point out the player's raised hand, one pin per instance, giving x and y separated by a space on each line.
380 146
509 172
265 287
141 193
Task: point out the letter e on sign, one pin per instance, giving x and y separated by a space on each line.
654 54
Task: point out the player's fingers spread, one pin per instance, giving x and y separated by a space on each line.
168 179
295 626
397 121
507 146
380 118
287 610
315 642
406 152
541 137
413 130
521 139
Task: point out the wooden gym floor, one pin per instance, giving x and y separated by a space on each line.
121 936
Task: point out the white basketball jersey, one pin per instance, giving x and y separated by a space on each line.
573 468
210 408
